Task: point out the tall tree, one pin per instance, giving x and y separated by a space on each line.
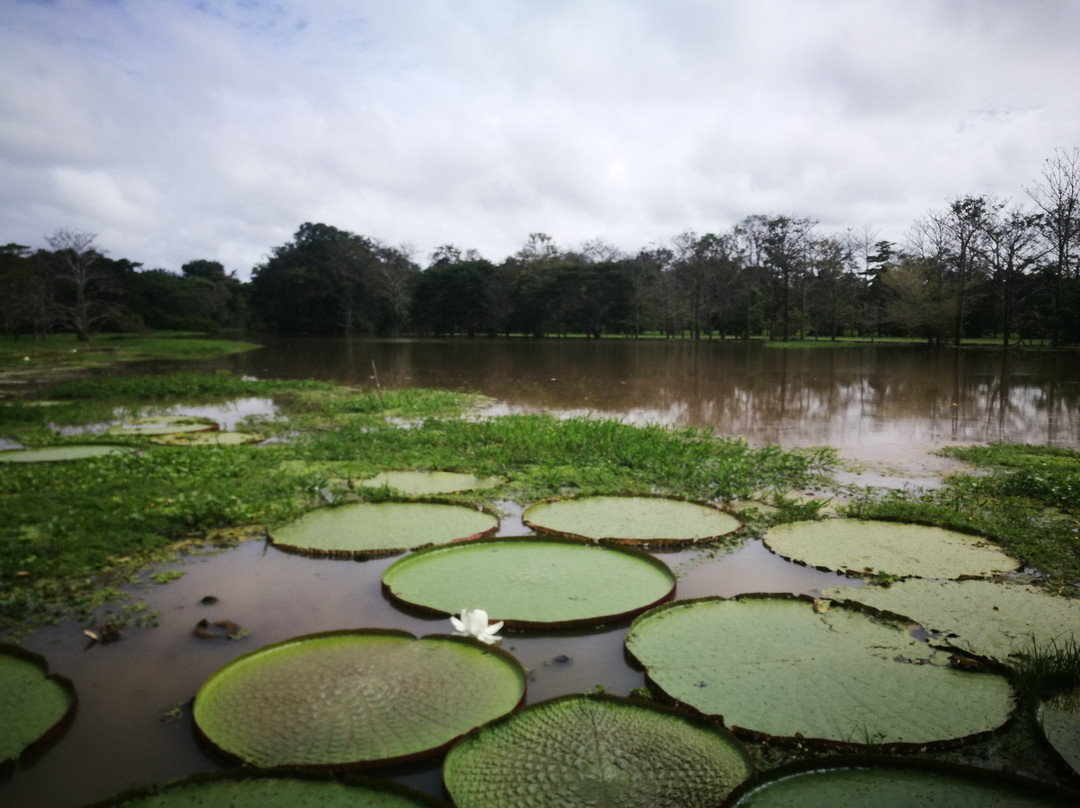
87 294
786 243
1057 196
1011 246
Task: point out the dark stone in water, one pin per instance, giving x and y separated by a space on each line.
209 600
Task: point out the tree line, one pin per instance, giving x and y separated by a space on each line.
978 266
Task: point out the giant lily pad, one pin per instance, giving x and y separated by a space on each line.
34 704
658 520
252 789
207 438
1059 719
878 782
163 425
862 545
529 583
789 667
582 750
354 698
987 618
54 454
428 483
382 528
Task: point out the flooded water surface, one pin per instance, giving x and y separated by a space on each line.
880 406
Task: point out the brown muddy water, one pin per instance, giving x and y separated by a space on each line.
885 409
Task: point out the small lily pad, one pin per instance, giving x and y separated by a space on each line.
879 782
1059 719
56 454
251 789
595 750
163 425
778 667
986 618
381 528
34 704
207 438
428 483
634 520
867 546
529 583
350 699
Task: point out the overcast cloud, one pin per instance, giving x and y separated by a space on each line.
180 129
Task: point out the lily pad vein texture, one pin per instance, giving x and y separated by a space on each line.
351 699
776 667
862 545
986 618
530 583
586 750
372 528
631 519
33 703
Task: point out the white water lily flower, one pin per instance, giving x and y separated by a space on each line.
474 623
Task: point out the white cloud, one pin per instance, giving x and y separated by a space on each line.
182 129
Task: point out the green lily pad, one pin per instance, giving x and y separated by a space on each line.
163 425
594 750
529 583
34 704
207 438
252 789
879 782
787 667
381 528
349 699
635 520
987 618
55 454
867 546
428 483
1059 720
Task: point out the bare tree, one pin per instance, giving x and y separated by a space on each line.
1058 198
86 285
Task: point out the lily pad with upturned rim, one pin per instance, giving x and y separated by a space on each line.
986 618
207 438
352 699
774 666
1059 720
532 583
595 750
164 425
860 546
631 519
427 483
382 528
882 782
252 789
35 705
57 454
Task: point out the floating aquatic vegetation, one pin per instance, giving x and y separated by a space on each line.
428 483
35 705
55 454
532 583
163 425
1059 720
634 520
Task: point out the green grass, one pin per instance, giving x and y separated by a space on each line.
56 352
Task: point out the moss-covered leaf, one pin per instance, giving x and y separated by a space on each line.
656 520
382 528
1059 719
878 782
987 618
251 789
868 546
532 582
34 705
592 750
354 698
53 454
429 483
779 667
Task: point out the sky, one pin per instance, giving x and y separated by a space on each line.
178 130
